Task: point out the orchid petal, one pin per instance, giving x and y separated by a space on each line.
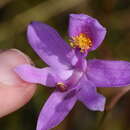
58 105
89 96
108 73
63 74
50 46
31 74
81 23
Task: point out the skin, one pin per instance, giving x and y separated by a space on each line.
14 92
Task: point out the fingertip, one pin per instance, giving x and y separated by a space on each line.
14 92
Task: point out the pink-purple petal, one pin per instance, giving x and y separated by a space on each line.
44 76
49 45
63 74
105 73
58 105
81 23
89 96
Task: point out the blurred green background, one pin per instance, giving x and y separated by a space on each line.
15 15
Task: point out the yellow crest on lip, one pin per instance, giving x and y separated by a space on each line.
81 41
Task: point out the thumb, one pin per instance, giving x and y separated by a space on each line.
14 92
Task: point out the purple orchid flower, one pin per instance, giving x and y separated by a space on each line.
74 77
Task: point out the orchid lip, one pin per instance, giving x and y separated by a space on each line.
81 41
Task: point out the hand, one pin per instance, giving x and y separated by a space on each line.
14 92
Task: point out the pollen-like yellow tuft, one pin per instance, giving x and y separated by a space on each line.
82 41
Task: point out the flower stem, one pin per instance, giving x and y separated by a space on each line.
101 122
